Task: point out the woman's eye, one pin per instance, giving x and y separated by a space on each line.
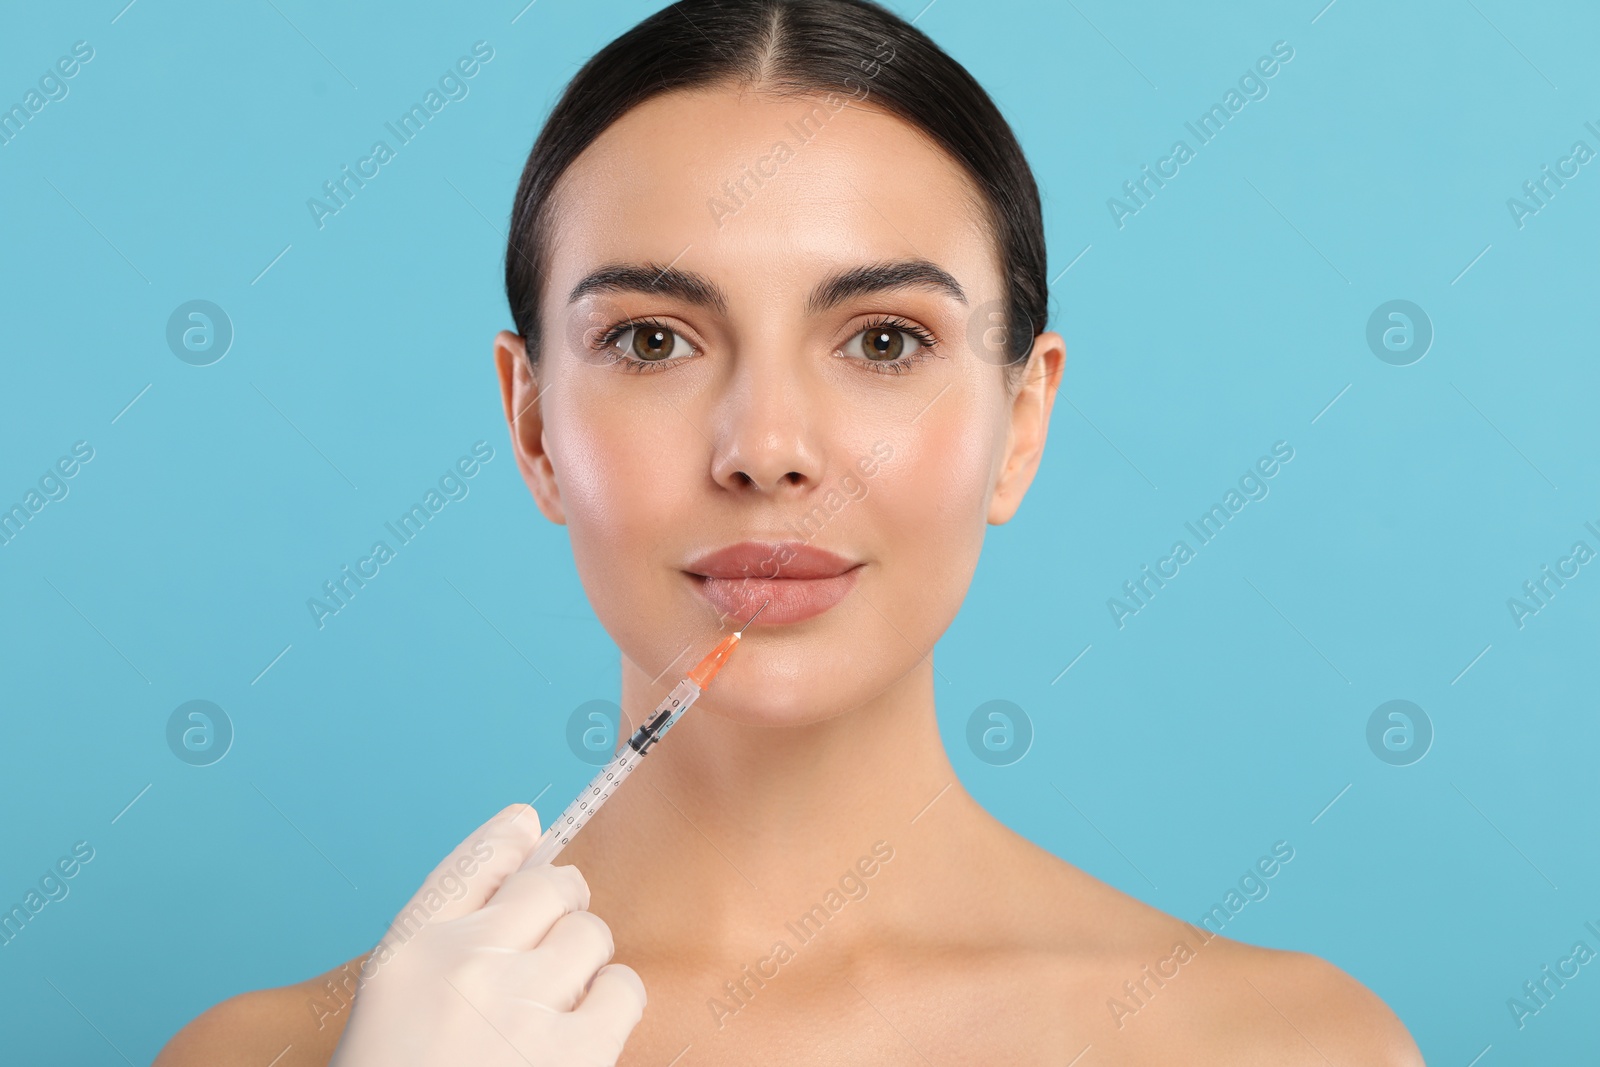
887 345
648 343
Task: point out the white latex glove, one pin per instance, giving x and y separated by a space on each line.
493 965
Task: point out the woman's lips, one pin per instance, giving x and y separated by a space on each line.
795 580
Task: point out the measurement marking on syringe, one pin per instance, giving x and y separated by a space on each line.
606 782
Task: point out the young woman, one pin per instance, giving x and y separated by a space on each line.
777 272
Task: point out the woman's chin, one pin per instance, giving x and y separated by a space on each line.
754 702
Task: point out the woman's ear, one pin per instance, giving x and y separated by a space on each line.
1030 425
519 394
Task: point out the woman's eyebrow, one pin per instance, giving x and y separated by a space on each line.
833 290
880 277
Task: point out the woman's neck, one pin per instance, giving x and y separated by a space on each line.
743 824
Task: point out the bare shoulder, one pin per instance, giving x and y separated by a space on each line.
1146 986
1299 1001
295 1025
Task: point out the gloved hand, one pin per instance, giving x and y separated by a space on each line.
494 965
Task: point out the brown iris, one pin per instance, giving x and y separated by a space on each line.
884 344
652 342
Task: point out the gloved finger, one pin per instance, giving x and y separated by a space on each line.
528 903
614 1003
558 970
480 863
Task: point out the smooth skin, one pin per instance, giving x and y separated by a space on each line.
819 739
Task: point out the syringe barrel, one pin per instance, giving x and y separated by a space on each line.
613 774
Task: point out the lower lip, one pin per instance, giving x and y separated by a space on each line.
787 599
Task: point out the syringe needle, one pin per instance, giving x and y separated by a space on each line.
752 618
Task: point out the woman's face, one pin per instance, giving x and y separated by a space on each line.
779 394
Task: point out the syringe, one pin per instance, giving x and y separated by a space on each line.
614 773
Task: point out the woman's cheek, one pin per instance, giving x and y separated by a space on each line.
618 499
946 468
930 504
616 483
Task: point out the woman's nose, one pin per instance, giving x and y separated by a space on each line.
764 436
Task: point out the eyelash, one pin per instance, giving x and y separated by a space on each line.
928 345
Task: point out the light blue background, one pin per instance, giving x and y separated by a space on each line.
1223 317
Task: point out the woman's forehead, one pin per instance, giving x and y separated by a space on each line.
766 192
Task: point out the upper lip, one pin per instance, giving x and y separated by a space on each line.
770 559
